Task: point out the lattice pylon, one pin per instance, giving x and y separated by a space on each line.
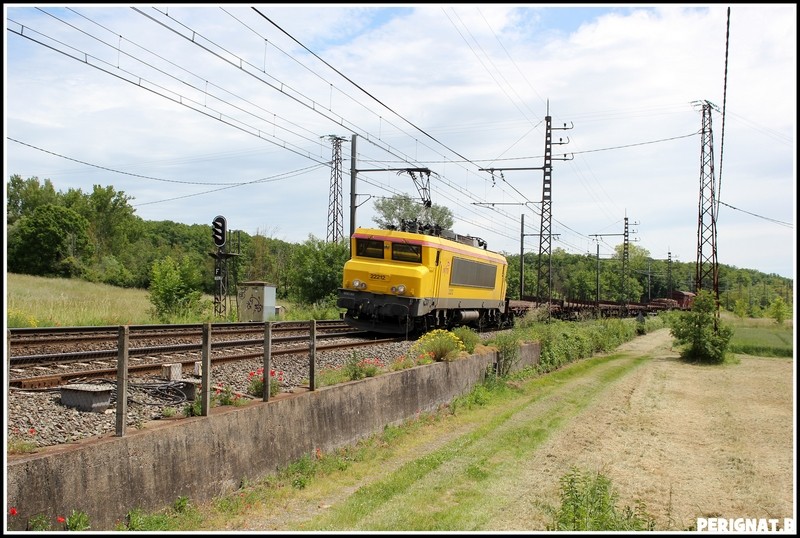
335 211
707 273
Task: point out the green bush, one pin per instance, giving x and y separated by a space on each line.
588 503
357 368
705 337
508 355
77 521
468 337
256 382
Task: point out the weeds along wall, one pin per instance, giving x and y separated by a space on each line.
205 457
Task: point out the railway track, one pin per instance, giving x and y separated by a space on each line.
67 357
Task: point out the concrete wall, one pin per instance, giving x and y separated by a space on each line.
204 457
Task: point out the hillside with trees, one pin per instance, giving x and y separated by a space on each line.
96 236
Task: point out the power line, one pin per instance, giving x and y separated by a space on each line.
277 177
787 224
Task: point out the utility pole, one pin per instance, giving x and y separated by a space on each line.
335 216
522 236
670 284
352 185
597 284
545 238
625 250
624 261
422 183
707 275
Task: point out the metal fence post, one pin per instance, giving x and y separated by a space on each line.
122 380
205 402
267 359
312 384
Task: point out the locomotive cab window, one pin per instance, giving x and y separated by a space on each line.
403 252
370 248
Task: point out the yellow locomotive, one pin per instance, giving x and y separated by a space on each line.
403 282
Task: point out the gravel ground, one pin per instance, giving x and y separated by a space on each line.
39 417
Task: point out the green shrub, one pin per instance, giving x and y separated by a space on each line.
401 363
508 355
256 382
39 522
77 521
468 337
588 503
193 409
704 337
357 368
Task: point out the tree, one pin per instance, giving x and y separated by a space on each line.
50 242
777 310
171 291
316 269
740 308
392 211
705 337
24 196
112 219
268 259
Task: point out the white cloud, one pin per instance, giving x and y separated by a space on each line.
468 82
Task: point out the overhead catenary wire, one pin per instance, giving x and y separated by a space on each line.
372 141
455 185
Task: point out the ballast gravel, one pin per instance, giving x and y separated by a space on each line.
39 416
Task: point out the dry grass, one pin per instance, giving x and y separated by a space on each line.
689 441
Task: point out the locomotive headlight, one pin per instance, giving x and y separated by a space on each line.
359 284
399 290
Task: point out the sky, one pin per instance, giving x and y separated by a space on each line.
195 111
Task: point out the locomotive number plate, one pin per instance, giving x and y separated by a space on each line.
378 276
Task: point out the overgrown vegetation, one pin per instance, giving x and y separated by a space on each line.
309 471
76 521
589 503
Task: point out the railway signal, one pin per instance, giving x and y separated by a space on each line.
219 230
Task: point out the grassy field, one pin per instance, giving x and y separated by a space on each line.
61 302
761 337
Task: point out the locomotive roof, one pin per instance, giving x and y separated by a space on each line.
429 241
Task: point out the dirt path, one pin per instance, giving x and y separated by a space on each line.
688 441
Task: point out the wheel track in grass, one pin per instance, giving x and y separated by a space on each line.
679 437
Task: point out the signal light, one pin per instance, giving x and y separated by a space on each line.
219 229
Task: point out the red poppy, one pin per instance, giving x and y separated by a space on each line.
13 511
60 519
